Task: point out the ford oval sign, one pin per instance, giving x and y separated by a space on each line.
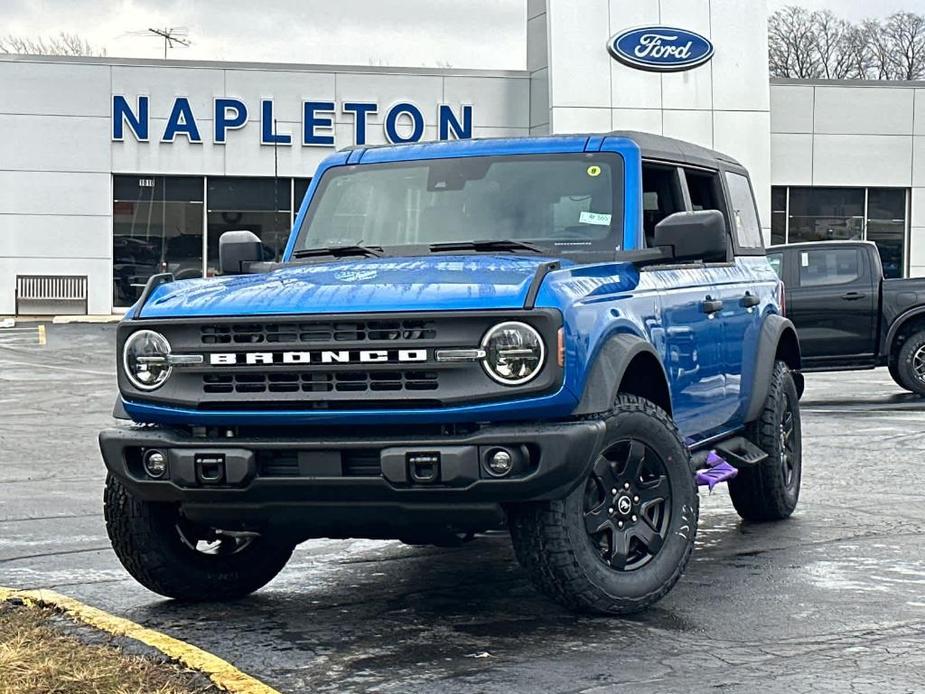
661 49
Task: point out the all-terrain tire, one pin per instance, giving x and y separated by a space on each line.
893 367
770 490
907 374
147 541
552 543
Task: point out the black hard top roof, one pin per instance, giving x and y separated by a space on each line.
670 149
652 146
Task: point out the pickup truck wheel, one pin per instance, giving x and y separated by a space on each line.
770 490
910 364
621 540
172 557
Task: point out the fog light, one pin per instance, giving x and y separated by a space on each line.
155 464
500 463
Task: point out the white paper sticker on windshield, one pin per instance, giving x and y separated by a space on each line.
594 218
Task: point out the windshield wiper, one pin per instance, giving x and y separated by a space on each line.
356 249
486 245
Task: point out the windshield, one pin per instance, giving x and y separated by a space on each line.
567 204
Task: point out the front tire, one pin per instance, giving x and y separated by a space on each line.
770 490
168 555
910 364
621 540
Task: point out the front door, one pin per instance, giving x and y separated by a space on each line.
832 303
693 349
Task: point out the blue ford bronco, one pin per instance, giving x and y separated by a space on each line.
552 335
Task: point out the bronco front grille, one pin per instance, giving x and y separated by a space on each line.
320 382
318 332
331 362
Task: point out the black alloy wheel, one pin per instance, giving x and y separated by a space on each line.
627 513
621 539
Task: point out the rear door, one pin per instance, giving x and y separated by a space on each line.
743 293
832 302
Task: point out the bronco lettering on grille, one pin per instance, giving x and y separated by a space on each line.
340 356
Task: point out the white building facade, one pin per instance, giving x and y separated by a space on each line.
113 169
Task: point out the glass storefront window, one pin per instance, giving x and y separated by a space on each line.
156 227
300 187
826 214
886 226
778 214
260 205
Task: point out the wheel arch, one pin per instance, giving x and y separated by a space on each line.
778 342
905 325
626 363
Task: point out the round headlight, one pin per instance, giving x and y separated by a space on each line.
514 353
145 358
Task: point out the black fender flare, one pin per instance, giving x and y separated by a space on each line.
606 374
774 329
897 325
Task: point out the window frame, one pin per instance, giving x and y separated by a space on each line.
862 277
740 248
719 184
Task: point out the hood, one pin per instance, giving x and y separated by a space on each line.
426 283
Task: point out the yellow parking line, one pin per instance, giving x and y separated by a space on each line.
222 673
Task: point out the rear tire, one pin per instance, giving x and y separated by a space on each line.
621 540
910 364
158 548
894 373
770 490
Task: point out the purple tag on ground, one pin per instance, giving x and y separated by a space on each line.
718 471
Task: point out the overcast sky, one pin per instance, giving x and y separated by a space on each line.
458 33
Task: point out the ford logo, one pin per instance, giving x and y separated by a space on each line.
660 49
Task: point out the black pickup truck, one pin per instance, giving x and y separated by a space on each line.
847 315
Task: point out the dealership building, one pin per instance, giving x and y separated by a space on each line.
113 169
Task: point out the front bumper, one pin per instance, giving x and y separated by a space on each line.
314 485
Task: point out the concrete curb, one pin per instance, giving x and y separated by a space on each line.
222 673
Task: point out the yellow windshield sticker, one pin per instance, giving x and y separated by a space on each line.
594 170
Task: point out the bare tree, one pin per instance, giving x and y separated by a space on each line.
62 44
862 59
831 45
881 62
791 44
904 33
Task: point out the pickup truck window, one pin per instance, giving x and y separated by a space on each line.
565 203
819 268
744 212
776 260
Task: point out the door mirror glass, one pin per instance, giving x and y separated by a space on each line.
699 235
237 250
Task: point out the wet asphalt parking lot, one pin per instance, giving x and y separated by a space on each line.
832 600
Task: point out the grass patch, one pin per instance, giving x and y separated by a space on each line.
36 657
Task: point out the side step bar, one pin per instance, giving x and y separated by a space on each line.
740 452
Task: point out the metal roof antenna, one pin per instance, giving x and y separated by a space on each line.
171 36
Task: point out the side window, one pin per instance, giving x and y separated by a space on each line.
829 267
744 213
777 263
661 196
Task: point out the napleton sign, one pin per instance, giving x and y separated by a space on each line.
403 121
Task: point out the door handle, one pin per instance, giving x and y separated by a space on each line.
711 305
852 296
749 300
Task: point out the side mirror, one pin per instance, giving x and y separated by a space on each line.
699 235
236 249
